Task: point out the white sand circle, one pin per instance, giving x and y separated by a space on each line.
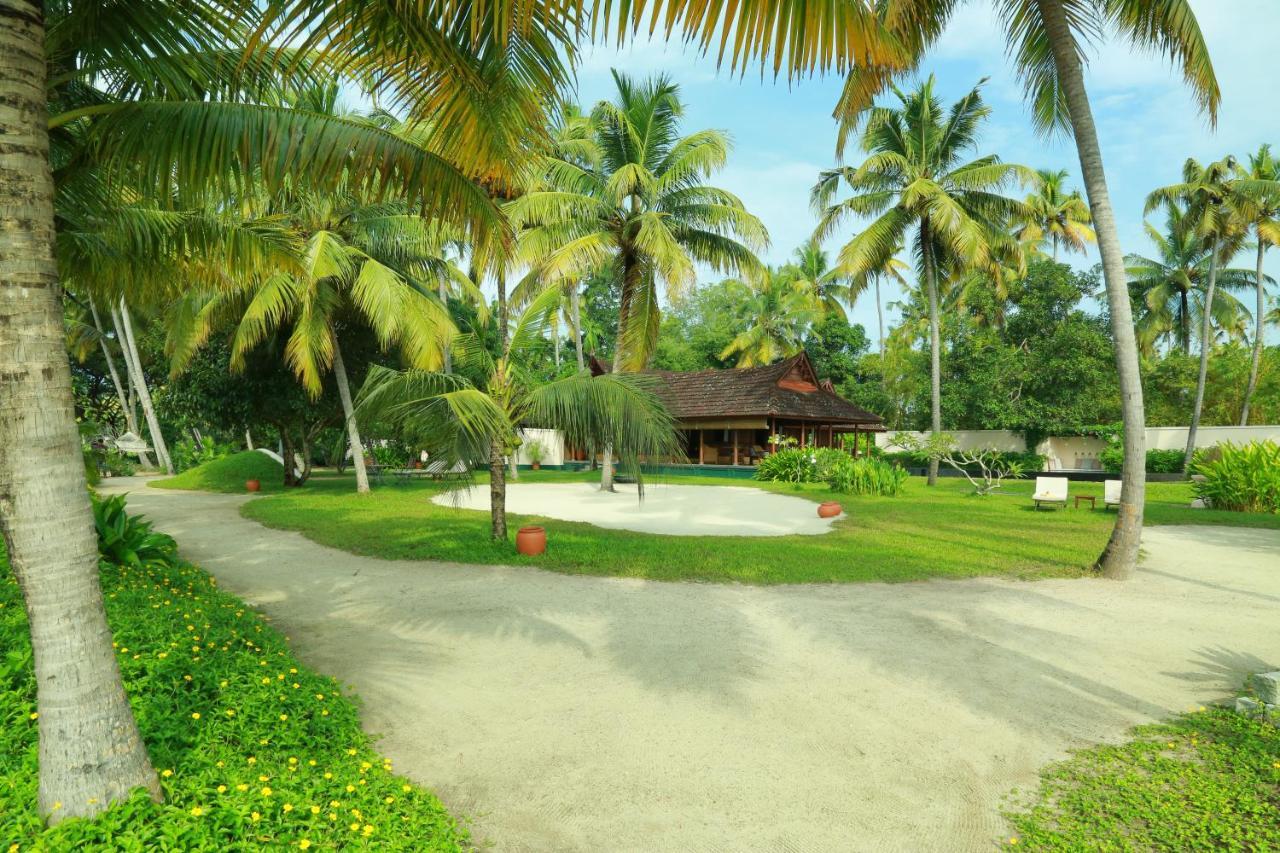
667 509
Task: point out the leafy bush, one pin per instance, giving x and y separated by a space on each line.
866 477
791 465
255 751
228 474
127 540
186 455
1243 478
1158 461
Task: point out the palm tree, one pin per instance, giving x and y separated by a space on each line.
1210 196
1259 201
482 418
775 311
635 203
914 180
1170 287
829 285
889 269
1055 215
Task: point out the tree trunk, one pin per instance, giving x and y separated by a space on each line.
555 339
130 419
1184 322
576 302
90 752
629 270
935 344
1206 343
134 362
1258 333
497 492
248 439
448 353
879 316
286 457
349 413
1120 557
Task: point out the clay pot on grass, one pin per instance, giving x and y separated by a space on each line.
531 541
829 509
253 485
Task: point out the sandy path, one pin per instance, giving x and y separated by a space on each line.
667 509
594 714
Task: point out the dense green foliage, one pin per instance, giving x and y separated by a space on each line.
128 540
866 476
1208 780
254 750
925 533
1241 478
1158 461
228 474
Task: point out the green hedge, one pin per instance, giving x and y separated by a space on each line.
255 750
1158 461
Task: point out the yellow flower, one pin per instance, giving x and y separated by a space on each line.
368 828
266 792
292 760
406 788
35 715
333 815
324 713
266 681
311 761
320 697
315 810
304 844
187 677
196 715
56 806
230 713
333 804
13 848
293 671
219 764
328 775
354 827
252 760
222 683
288 807
255 817
222 789
389 800
197 811
1013 840
264 778
284 717
242 787
364 765
166 773
351 752
350 788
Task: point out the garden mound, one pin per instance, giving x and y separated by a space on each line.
229 474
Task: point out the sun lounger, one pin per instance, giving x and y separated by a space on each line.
442 470
1050 490
1110 493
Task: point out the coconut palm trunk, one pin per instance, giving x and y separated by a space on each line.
576 307
349 413
879 315
134 362
497 469
935 344
447 354
130 417
1258 315
1206 343
1120 556
90 752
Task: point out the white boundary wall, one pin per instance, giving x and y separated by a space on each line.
552 442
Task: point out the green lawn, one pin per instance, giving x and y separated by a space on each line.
1208 780
924 533
229 474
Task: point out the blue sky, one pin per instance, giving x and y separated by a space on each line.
784 135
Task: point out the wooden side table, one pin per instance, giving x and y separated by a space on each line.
1093 501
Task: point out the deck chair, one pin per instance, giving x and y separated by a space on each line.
1050 490
442 470
1110 493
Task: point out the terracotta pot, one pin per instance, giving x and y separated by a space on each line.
253 485
531 541
829 509
537 466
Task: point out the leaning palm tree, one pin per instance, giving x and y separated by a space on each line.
775 311
1169 289
1210 195
480 418
1055 215
915 182
1259 202
637 206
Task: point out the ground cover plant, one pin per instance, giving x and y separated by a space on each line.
1207 780
1241 478
254 750
228 474
924 533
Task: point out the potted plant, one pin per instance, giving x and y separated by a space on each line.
536 453
253 485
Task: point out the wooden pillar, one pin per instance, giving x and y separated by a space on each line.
700 462
735 447
804 434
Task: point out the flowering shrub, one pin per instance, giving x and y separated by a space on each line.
254 750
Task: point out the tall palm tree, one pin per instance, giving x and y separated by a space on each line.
639 207
889 269
482 419
813 271
1259 202
916 183
1053 214
1170 288
775 310
1210 195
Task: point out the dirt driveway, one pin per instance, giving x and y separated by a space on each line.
565 713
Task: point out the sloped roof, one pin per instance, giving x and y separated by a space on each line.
787 389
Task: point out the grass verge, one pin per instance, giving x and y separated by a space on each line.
940 532
229 474
255 751
1208 780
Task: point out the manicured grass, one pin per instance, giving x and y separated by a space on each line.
255 751
229 474
1208 780
924 533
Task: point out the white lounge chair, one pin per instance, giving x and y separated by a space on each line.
1110 493
1050 490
